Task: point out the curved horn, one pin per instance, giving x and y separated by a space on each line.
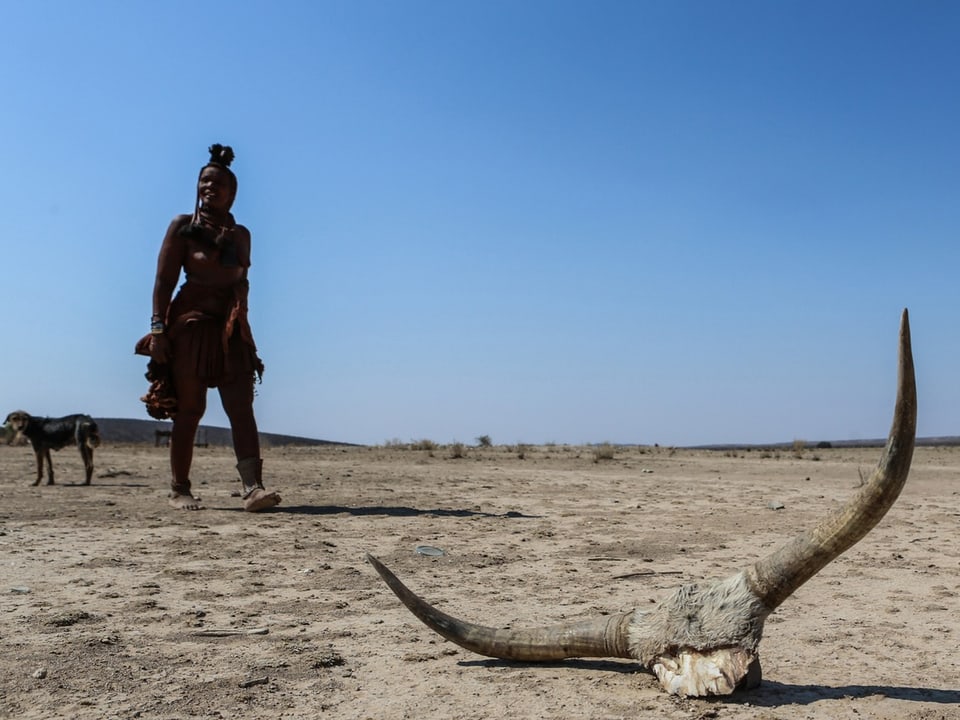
694 620
776 576
599 637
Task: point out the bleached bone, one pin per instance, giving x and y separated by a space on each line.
704 638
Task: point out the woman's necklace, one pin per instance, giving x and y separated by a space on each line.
221 223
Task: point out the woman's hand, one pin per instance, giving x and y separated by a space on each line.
160 348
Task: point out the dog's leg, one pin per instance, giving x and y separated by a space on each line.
46 452
86 452
39 453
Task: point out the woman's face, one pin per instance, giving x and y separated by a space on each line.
216 189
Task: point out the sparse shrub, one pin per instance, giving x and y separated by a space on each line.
456 450
424 444
522 450
605 451
798 447
484 441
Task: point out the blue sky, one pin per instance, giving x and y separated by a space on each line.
677 222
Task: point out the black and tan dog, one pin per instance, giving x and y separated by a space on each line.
46 434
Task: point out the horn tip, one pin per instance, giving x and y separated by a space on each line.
905 343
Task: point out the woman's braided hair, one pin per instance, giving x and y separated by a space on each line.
221 156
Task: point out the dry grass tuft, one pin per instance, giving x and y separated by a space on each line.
605 451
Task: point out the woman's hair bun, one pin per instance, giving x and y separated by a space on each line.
221 154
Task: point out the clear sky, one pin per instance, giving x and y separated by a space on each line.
640 221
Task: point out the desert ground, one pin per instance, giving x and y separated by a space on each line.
113 605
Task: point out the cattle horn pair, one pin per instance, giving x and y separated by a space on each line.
703 639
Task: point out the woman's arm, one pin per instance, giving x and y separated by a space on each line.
168 267
168 272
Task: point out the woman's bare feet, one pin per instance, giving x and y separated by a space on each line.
185 501
260 499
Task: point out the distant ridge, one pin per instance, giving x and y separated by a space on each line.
125 430
942 441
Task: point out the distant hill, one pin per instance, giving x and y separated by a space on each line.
942 441
125 430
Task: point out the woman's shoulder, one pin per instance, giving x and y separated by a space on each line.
242 237
174 234
180 221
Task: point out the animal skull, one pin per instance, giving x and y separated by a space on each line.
704 638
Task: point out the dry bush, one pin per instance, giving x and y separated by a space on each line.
456 450
606 451
484 441
424 444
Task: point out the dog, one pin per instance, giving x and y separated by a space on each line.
46 434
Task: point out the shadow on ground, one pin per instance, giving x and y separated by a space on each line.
769 694
386 510
774 694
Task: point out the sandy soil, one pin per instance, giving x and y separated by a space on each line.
105 591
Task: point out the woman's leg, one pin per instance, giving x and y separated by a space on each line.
191 404
237 399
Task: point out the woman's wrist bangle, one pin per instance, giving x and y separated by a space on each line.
156 328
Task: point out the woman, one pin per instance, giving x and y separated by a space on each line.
202 338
